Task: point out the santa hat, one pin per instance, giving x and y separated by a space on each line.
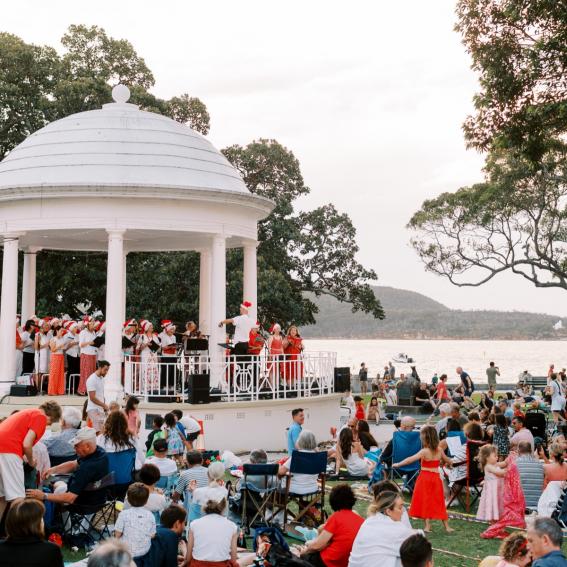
245 305
257 325
273 327
87 319
145 324
166 324
129 323
102 326
70 325
54 321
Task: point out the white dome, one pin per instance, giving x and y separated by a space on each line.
119 145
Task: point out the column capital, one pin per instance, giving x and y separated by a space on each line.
32 250
219 237
12 235
115 232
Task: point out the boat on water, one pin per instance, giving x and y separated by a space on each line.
402 358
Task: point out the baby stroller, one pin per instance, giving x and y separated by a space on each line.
536 423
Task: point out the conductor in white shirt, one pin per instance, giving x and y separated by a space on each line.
242 326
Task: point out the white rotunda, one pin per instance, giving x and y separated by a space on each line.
123 180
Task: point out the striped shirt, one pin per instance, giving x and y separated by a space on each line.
198 473
531 478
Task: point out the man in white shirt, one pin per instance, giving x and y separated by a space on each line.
166 466
88 353
243 324
96 408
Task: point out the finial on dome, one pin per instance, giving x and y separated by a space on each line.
121 94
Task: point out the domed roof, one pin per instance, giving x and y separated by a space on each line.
119 145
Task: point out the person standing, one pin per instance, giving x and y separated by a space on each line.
18 434
555 390
391 371
96 407
72 354
491 372
467 382
242 326
276 350
295 429
168 355
88 353
42 348
293 347
56 385
28 347
363 378
148 345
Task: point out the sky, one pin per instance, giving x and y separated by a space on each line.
369 95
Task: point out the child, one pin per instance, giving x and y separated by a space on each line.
171 546
133 415
501 435
428 501
175 444
490 506
359 408
149 476
137 525
514 551
195 471
155 433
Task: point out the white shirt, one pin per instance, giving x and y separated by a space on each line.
74 350
165 341
212 537
243 325
166 466
96 385
378 542
137 526
156 503
85 336
191 425
29 346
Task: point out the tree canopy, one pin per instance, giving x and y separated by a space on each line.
515 220
313 251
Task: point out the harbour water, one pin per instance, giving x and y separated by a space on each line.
443 356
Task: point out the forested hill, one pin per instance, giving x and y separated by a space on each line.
414 316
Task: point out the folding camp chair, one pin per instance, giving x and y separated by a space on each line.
462 437
167 484
122 464
303 462
472 483
90 521
258 493
404 445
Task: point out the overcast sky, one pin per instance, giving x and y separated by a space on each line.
370 96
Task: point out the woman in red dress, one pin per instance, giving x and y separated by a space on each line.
276 350
293 347
57 346
428 501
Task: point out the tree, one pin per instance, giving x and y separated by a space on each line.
519 50
311 251
514 221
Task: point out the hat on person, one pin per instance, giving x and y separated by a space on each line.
145 324
130 323
87 319
166 324
246 305
85 434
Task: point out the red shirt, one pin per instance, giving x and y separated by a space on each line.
442 391
360 411
14 429
344 526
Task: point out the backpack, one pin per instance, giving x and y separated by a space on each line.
279 554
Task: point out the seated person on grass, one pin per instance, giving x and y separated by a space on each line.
149 475
195 471
166 466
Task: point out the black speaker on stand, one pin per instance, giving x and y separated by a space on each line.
199 388
342 379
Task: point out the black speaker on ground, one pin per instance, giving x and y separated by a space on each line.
342 379
22 391
199 388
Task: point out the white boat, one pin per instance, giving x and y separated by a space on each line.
402 358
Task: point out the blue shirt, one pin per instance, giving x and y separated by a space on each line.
553 559
93 467
292 435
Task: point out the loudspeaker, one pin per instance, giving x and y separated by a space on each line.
22 390
199 386
342 379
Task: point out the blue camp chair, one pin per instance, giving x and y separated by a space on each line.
258 493
460 435
304 462
122 464
167 484
404 445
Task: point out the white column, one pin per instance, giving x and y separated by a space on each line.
218 305
28 283
114 310
8 311
124 287
205 292
250 287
